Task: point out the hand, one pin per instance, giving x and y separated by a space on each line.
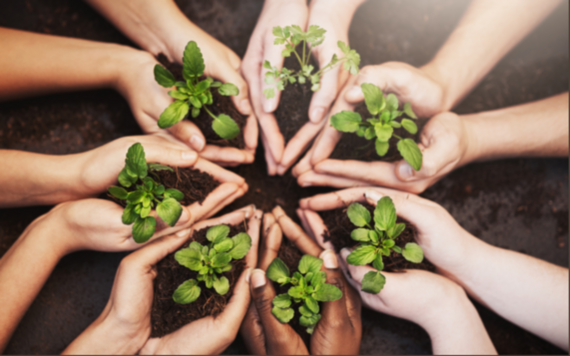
148 100
446 144
261 48
408 83
125 326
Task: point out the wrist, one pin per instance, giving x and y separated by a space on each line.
438 76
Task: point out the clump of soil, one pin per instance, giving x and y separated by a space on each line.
222 105
166 315
350 146
195 185
293 110
339 228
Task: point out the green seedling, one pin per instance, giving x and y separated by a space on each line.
210 262
308 287
291 36
384 111
194 93
378 241
142 193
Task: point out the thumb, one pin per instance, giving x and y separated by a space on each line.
241 101
324 97
156 250
272 53
230 319
166 155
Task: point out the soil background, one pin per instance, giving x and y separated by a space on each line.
520 204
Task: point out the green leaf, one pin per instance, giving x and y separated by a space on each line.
174 193
385 214
269 93
194 245
411 153
201 87
297 292
408 111
310 263
136 197
391 102
145 211
388 243
221 285
318 278
169 210
396 230
125 179
282 301
385 117
225 127
177 95
159 167
346 121
283 315
228 89
397 249
373 282
241 246
217 233
196 103
373 97
224 245
381 147
360 235
277 270
305 311
135 163
118 192
413 252
410 126
312 304
143 229
173 114
362 255
358 214
163 76
373 236
193 62
327 293
308 321
395 124
195 112
221 259
187 292
370 133
378 263
129 215
383 132
190 258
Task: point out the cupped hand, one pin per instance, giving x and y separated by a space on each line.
148 100
260 48
126 326
409 84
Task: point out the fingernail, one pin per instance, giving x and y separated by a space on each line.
197 143
257 278
344 253
245 106
184 217
183 233
373 195
317 115
307 184
269 105
354 91
248 274
329 259
405 170
188 155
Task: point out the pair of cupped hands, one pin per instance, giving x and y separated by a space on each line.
444 140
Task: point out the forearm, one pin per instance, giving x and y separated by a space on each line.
529 292
487 32
37 179
34 64
537 129
23 271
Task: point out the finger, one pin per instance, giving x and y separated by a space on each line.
297 145
167 155
213 201
252 332
270 247
233 218
270 160
305 223
318 228
324 97
304 164
268 222
312 178
187 132
334 200
253 228
295 234
230 319
241 101
226 155
250 134
271 53
146 257
334 311
230 199
220 174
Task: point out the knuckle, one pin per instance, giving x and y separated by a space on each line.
263 303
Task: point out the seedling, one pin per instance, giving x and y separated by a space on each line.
210 262
194 93
384 111
143 193
291 36
308 287
378 241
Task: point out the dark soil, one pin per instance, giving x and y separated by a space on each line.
350 146
339 228
293 110
222 105
195 185
168 316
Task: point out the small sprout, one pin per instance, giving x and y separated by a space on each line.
143 193
194 94
384 111
291 36
308 287
210 262
378 241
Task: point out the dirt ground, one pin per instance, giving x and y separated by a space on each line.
520 204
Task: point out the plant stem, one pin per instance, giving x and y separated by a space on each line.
304 45
208 111
296 55
396 136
